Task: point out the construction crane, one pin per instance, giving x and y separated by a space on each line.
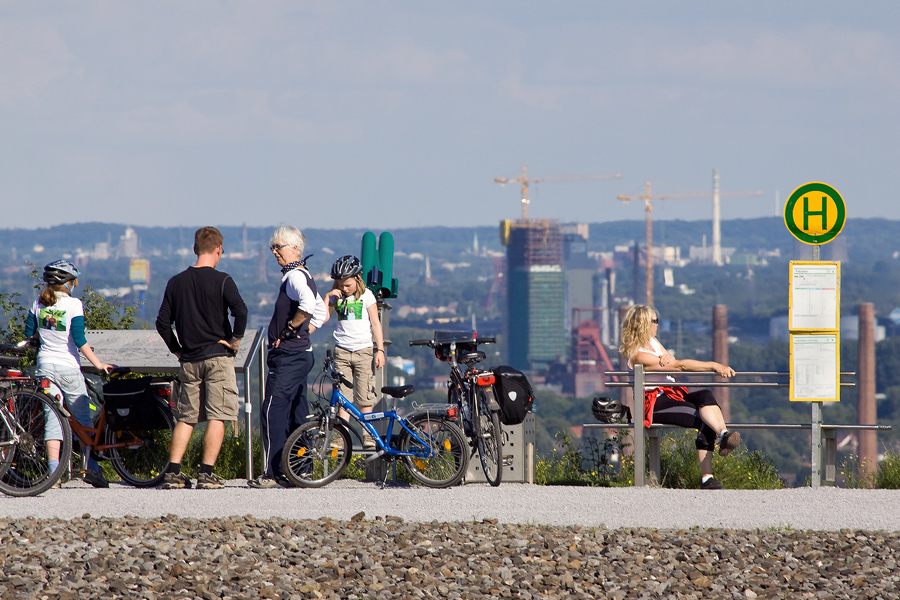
648 199
525 181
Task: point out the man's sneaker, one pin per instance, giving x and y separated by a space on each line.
711 484
368 442
267 483
730 440
95 478
175 481
209 481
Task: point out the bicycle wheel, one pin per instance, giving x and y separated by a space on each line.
142 461
445 449
488 436
314 456
28 472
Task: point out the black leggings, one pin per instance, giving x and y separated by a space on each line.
687 414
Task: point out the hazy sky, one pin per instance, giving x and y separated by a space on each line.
399 114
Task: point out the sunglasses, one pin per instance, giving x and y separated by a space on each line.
275 247
655 321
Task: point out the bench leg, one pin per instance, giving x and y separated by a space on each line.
829 458
654 436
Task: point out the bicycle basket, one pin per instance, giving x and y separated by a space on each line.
465 342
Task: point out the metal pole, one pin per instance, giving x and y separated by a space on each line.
639 433
816 438
816 443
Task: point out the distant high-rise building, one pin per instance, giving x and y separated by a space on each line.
536 293
128 244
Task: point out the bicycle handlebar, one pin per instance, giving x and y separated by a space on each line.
335 374
432 343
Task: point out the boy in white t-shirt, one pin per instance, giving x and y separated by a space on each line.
357 326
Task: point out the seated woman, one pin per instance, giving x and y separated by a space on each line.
674 405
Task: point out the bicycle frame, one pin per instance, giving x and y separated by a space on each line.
366 420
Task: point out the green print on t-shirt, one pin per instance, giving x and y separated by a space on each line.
348 307
53 319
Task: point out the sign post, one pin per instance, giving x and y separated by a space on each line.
815 214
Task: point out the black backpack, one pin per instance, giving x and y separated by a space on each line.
610 410
514 394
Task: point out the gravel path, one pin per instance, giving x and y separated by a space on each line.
796 508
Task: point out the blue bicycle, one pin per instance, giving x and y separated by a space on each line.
430 444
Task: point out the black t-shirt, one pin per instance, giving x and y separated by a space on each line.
197 301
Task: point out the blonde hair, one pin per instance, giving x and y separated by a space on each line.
360 285
636 329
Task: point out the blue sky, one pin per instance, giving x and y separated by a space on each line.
400 114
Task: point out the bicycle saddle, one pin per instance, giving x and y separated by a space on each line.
400 391
472 357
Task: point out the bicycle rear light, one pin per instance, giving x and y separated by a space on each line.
453 412
45 383
164 392
486 379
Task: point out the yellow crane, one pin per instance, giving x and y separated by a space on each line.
524 180
648 199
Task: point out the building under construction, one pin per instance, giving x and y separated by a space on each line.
535 298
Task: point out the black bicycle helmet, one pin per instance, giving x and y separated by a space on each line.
610 410
346 267
59 272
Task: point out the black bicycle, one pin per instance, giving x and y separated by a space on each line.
472 391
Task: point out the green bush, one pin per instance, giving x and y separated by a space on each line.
587 463
232 460
886 475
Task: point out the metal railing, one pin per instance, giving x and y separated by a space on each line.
822 435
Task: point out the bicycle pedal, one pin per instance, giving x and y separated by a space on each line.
375 456
507 460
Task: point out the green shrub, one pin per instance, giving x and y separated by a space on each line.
232 460
886 475
588 463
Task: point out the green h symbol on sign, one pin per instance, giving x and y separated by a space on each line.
822 213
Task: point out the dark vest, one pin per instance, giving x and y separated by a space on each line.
284 312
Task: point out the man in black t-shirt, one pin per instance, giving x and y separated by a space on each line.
197 302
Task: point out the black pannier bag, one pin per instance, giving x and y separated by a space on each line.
132 404
514 393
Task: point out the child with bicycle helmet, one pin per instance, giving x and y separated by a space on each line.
58 320
357 326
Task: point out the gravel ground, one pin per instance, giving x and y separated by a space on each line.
356 540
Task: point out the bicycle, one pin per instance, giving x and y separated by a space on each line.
472 392
28 408
134 428
317 452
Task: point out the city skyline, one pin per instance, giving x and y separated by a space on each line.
385 115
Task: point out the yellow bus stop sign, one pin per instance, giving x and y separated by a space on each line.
815 213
